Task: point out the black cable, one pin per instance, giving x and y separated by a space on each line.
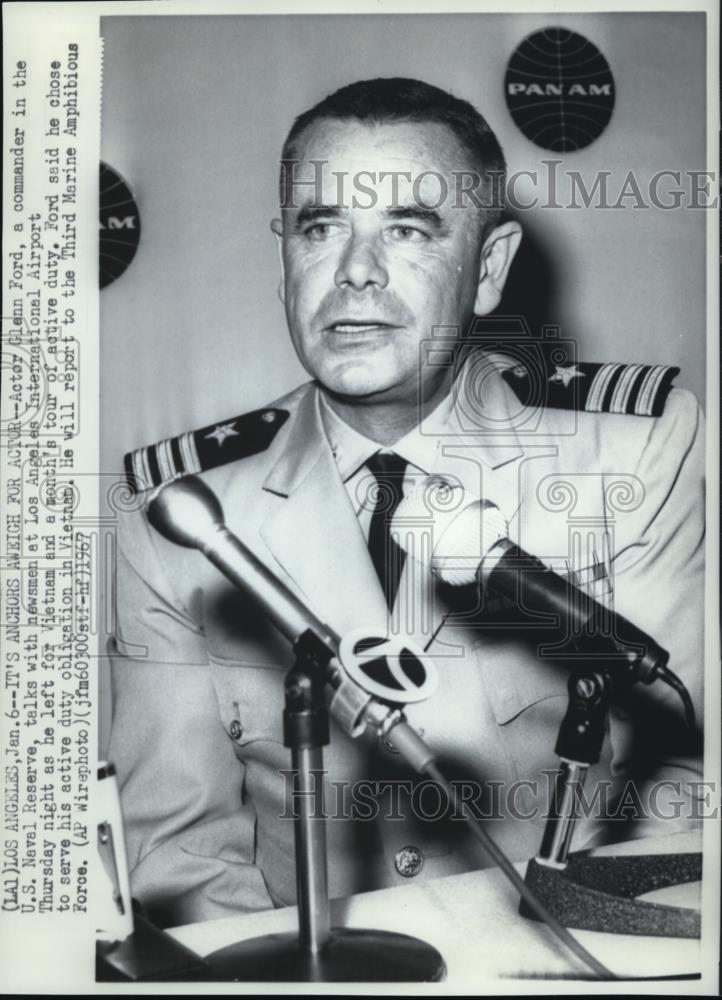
530 898
433 637
669 677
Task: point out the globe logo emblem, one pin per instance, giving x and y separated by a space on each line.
119 226
559 90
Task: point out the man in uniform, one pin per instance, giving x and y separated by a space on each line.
392 244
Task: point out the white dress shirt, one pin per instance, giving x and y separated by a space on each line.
352 450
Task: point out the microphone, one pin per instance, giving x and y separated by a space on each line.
188 513
470 545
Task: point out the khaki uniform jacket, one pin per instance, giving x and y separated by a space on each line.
198 674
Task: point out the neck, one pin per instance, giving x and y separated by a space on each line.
385 421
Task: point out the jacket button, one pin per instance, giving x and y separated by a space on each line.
236 730
409 861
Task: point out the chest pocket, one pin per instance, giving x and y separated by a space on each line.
250 701
248 659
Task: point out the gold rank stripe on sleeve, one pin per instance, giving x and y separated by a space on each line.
648 390
189 453
641 390
139 466
623 388
599 386
611 387
194 451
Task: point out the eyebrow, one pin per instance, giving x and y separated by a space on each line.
415 212
313 212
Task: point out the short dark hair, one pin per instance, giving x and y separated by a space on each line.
399 99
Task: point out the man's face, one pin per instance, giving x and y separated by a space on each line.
366 281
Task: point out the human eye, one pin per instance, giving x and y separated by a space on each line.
318 232
408 234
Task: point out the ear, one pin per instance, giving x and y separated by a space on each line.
497 254
277 230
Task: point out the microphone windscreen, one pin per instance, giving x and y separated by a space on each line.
185 512
448 529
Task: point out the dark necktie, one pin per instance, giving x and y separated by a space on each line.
388 557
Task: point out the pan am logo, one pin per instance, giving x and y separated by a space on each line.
559 90
119 225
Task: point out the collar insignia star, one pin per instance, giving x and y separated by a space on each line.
565 375
222 431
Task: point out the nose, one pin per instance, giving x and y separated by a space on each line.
361 265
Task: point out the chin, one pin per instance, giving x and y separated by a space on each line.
356 383
354 389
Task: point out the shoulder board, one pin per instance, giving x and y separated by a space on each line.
207 448
612 387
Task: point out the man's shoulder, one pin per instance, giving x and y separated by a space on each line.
212 446
630 402
615 387
654 448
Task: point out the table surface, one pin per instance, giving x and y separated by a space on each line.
473 920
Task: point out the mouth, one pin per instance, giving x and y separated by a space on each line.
359 326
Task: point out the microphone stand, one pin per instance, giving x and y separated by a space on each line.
579 745
590 893
319 953
187 513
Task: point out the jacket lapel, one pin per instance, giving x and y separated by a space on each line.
314 534
482 447
479 449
